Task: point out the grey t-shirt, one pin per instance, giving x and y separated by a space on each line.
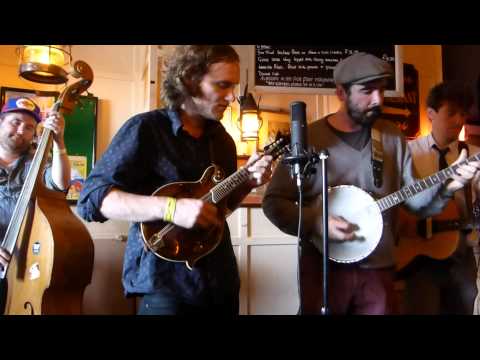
356 139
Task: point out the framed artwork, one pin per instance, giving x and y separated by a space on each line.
81 140
277 123
405 111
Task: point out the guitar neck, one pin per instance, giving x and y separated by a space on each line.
417 187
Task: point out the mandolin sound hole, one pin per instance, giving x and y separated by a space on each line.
170 247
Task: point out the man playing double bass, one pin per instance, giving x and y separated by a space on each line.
18 124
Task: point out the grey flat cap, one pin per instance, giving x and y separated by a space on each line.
360 68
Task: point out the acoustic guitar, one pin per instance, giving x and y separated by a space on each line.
436 237
175 243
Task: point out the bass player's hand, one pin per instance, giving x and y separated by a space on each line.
4 258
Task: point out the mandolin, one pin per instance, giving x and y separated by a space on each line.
174 243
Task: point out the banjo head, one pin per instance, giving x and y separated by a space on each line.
359 208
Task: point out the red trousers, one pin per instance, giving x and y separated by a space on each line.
352 290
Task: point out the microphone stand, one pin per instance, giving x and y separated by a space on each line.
301 167
323 157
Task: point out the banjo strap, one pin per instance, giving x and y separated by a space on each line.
377 157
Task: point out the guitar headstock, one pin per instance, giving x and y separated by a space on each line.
279 147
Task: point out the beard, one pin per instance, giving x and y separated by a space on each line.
364 118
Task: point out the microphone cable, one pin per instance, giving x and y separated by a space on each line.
299 248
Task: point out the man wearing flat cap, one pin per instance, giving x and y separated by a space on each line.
19 119
365 286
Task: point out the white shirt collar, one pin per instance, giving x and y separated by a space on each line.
431 141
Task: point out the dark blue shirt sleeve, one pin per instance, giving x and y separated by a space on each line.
123 165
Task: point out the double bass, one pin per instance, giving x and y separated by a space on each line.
52 251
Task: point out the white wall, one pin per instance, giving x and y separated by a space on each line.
117 81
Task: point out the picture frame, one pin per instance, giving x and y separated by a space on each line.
404 110
276 122
81 143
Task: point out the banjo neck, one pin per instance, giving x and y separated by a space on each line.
413 189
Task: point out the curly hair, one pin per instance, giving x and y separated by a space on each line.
191 62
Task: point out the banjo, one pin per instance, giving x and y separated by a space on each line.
361 209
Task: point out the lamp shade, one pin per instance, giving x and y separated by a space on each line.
249 120
44 63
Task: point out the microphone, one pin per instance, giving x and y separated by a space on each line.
298 128
298 135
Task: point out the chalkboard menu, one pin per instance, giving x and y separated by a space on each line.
291 68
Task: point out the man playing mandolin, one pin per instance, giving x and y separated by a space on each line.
18 123
176 144
364 286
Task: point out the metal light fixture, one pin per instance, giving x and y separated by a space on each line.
250 121
45 63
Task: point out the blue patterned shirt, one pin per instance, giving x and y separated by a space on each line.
151 150
11 184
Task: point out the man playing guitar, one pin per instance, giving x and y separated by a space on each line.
448 285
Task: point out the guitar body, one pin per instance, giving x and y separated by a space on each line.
174 243
413 242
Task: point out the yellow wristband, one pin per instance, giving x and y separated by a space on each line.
170 207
